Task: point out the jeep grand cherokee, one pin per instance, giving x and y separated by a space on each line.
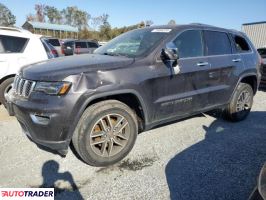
139 80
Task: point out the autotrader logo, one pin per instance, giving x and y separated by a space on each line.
27 193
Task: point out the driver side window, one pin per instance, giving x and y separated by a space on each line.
189 44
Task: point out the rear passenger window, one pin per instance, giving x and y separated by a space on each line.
241 44
81 45
92 45
217 43
10 44
189 44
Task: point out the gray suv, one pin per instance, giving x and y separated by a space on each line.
139 80
72 47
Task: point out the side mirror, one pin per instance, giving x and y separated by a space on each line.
169 54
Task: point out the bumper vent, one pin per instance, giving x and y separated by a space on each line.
23 87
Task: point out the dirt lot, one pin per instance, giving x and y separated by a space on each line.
203 157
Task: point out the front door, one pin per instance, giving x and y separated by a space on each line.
181 90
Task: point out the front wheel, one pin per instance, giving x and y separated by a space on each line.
240 104
105 133
5 88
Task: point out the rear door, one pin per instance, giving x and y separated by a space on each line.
223 65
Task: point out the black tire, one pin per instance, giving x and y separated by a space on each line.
94 117
5 86
233 111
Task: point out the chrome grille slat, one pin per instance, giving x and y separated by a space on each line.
23 87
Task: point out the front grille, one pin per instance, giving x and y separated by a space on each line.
23 87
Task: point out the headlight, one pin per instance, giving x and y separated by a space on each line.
53 88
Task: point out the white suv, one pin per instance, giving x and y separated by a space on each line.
18 47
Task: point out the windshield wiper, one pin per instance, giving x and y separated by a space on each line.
114 54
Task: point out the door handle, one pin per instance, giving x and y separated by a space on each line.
201 64
236 60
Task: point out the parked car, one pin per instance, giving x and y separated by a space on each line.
18 47
259 193
56 44
72 47
262 52
101 101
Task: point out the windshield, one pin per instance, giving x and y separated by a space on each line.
135 43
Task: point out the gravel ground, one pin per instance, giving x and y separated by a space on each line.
203 157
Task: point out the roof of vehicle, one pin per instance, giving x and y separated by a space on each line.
193 25
14 31
58 27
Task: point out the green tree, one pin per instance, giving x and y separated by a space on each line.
172 22
53 14
6 17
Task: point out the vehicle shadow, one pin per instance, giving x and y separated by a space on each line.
225 165
63 183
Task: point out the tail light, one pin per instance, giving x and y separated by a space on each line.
62 50
54 52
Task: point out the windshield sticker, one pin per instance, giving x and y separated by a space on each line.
161 30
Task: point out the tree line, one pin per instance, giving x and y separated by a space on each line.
93 27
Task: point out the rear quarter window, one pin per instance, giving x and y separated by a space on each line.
54 42
10 44
217 43
241 44
92 45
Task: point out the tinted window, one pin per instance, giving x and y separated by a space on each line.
68 44
92 45
189 44
217 43
241 44
81 45
54 42
11 44
261 51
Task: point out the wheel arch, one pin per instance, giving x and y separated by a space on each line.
130 97
6 77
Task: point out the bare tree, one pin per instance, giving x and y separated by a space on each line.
40 14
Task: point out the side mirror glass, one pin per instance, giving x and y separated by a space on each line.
170 53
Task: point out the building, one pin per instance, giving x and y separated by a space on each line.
256 32
53 30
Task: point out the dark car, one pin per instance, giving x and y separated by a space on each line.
139 80
262 52
79 47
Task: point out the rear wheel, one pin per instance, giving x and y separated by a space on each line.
241 103
5 88
106 133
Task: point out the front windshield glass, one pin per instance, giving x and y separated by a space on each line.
135 43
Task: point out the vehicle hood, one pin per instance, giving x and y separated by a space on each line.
59 68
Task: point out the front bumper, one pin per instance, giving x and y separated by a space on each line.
44 119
